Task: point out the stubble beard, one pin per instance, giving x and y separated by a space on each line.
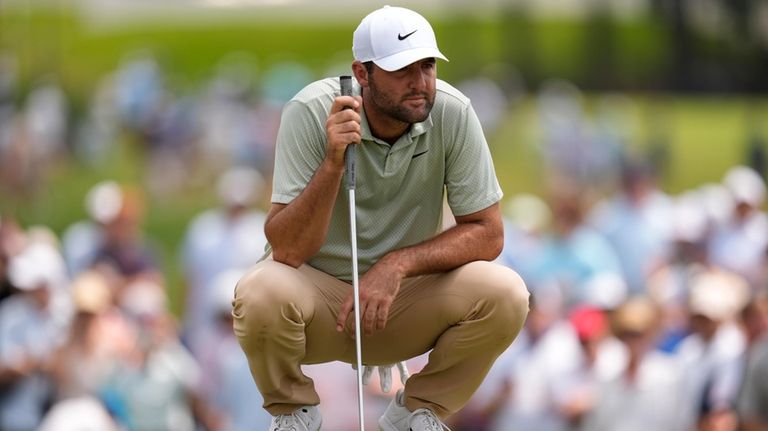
397 109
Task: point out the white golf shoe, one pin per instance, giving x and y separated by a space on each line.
306 418
399 418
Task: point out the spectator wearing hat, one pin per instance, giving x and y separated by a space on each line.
230 237
668 285
99 337
601 357
124 249
86 357
81 240
648 393
740 244
30 330
711 354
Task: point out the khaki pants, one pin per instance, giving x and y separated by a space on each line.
285 317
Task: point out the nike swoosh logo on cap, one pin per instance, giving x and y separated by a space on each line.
401 37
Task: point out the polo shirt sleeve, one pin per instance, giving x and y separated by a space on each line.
300 148
470 177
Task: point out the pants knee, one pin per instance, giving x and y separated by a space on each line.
507 296
264 297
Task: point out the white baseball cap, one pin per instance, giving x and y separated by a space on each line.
746 185
394 37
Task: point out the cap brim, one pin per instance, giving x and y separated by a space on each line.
404 58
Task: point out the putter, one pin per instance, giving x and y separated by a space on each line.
349 158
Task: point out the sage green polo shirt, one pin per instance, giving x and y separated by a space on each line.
399 188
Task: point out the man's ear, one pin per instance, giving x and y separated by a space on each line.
361 73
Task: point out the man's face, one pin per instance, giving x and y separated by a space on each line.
407 94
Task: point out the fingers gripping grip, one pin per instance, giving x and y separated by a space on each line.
349 156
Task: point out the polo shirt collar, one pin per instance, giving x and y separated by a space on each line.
415 130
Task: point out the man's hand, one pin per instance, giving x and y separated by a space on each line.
378 288
385 375
342 128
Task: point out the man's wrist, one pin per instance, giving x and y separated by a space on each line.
394 264
333 167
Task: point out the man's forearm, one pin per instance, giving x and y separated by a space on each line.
297 231
469 240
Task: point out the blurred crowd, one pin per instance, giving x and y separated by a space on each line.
649 310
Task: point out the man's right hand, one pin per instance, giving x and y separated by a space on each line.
342 128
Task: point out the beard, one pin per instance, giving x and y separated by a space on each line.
396 109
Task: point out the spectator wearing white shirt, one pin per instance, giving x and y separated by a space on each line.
30 330
711 355
739 245
230 237
649 393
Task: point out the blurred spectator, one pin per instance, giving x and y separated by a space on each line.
81 240
138 90
111 238
602 358
636 222
46 122
156 386
648 394
611 139
217 240
230 132
752 406
718 204
95 342
526 218
668 285
573 253
561 120
226 383
170 135
739 245
29 333
87 356
32 138
123 248
97 134
522 390
711 355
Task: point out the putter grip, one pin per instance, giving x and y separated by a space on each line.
349 155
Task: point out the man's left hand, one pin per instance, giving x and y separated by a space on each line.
378 288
